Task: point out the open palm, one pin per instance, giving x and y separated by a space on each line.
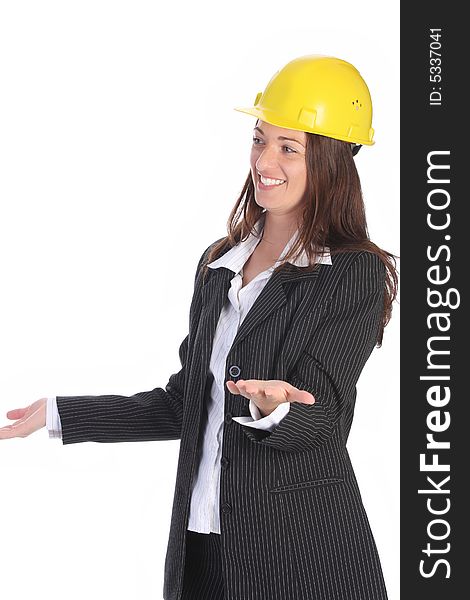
268 394
29 420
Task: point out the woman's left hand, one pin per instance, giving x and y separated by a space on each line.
267 395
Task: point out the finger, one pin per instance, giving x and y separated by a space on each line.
250 387
232 386
10 431
23 427
254 387
34 418
246 388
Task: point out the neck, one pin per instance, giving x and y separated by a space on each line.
278 230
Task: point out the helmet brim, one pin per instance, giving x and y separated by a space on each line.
274 119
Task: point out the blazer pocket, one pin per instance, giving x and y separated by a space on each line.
302 485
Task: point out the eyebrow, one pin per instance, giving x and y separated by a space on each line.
281 137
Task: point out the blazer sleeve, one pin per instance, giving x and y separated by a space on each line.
333 360
145 416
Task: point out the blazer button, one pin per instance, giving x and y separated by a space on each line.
226 508
228 418
234 371
224 462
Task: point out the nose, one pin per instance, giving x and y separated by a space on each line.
266 160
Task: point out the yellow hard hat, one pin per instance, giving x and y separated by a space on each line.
318 94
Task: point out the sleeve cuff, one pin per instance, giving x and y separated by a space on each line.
267 423
53 419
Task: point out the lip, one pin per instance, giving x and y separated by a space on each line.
263 187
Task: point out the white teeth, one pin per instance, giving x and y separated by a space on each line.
266 181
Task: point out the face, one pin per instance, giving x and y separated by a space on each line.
278 167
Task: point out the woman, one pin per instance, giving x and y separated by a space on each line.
286 311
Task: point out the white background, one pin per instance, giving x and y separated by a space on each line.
121 157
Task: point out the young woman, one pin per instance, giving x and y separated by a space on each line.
286 310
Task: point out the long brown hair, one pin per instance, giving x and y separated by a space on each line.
333 214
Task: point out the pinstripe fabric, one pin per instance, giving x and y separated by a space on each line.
293 525
204 515
203 578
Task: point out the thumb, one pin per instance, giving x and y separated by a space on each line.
302 396
17 413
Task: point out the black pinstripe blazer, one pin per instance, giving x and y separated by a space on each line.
293 525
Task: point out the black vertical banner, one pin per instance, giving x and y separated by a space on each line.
434 270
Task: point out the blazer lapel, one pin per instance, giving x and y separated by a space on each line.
214 294
271 298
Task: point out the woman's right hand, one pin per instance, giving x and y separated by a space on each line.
29 420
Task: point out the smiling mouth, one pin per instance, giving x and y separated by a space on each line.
270 183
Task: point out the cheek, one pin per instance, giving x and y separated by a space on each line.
301 178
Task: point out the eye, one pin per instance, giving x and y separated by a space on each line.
257 141
289 148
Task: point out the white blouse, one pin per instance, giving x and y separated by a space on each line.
204 508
